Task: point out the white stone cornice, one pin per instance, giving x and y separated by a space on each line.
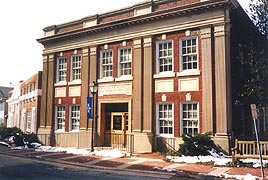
93 51
85 51
137 43
147 42
222 29
51 57
140 33
205 32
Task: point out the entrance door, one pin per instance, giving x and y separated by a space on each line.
119 127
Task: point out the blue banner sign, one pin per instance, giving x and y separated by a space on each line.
89 108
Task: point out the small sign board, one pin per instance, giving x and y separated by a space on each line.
89 108
254 111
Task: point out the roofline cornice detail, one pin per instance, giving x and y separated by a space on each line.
186 25
154 16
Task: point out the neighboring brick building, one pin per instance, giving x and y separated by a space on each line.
30 99
163 69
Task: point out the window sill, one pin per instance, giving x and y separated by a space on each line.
75 82
62 83
189 73
74 131
166 135
108 79
59 131
164 75
124 78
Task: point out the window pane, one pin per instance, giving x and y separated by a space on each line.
62 67
60 118
165 118
190 121
107 63
75 117
165 56
76 67
125 62
189 54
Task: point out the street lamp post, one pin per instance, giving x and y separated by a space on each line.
93 87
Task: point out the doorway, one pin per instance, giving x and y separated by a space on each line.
115 124
119 128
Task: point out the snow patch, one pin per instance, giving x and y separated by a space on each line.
4 143
241 177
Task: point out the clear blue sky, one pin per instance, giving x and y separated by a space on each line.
22 22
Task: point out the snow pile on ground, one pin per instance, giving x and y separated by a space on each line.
218 161
4 143
110 153
105 153
240 177
68 150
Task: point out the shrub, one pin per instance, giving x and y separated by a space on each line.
195 145
8 132
20 138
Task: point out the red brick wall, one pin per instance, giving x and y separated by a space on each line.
173 4
67 55
178 97
115 47
70 28
117 17
67 101
126 15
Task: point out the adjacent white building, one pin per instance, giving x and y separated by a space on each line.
13 107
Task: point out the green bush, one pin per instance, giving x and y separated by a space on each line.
195 145
8 132
19 136
31 138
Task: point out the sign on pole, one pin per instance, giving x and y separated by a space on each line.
253 111
89 108
254 117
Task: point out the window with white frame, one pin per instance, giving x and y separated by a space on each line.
106 63
60 118
165 119
74 117
190 118
189 54
33 125
164 56
28 121
75 67
125 60
61 69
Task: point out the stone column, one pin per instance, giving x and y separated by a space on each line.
143 96
93 77
47 99
43 107
50 91
222 84
93 65
137 86
207 80
84 88
147 85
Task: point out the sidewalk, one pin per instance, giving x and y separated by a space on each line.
149 162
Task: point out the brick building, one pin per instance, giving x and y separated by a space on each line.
29 103
163 68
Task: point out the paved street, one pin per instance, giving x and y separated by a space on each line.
17 168
30 164
21 168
